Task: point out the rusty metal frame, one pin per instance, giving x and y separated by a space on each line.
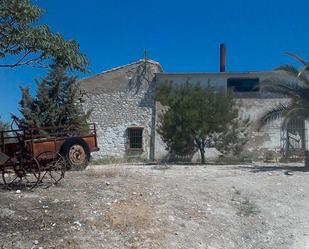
293 139
25 138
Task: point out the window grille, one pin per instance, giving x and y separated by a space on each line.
293 138
135 138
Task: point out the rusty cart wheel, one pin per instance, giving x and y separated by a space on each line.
22 173
76 152
53 167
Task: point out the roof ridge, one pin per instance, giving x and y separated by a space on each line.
130 64
122 66
219 73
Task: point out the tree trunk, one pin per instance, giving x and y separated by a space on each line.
307 160
202 151
201 146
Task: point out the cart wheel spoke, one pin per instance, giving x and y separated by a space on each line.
25 169
44 175
54 165
9 178
51 175
11 182
14 179
56 175
26 178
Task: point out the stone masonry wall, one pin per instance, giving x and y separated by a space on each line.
268 138
114 112
251 104
119 99
261 141
116 107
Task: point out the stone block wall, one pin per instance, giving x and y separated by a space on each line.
267 138
114 113
116 106
252 105
119 99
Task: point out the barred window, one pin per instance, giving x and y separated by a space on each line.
135 135
243 84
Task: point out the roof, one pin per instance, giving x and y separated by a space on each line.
215 73
117 78
124 66
133 63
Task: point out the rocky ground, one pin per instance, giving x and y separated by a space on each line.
129 206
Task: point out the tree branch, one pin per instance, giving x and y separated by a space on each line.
28 62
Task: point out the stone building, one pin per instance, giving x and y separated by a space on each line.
122 106
126 114
252 103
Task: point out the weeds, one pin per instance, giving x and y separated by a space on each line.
233 160
108 173
116 160
161 167
270 156
244 206
130 215
247 208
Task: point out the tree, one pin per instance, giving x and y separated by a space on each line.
295 87
3 125
55 103
198 117
25 43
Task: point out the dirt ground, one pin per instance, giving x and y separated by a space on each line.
130 206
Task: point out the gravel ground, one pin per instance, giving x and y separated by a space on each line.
130 206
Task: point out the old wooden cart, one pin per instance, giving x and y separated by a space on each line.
29 156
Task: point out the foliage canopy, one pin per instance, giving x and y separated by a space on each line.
3 125
295 87
55 103
199 117
23 42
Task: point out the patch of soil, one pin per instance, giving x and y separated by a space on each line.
129 206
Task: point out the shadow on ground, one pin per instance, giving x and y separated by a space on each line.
286 169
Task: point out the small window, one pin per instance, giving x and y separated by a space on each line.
243 84
135 136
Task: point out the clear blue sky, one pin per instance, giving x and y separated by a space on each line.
181 35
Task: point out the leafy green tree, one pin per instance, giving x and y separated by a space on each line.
198 117
23 42
296 87
55 103
234 138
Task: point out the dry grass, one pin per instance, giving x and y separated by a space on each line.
115 160
247 208
191 213
243 205
134 215
115 171
138 219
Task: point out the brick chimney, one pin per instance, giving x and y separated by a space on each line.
222 57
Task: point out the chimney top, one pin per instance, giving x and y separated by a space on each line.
222 57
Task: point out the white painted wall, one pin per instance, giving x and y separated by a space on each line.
252 106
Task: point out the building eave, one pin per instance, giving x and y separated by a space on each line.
123 66
215 73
